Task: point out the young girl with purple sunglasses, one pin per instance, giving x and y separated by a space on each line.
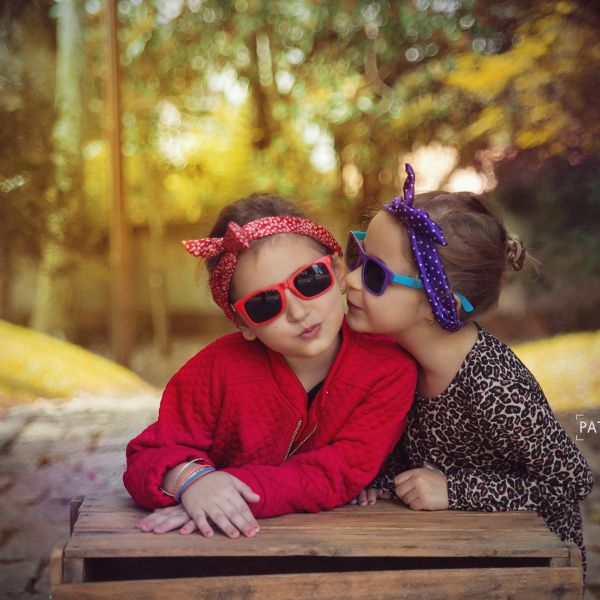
480 434
277 417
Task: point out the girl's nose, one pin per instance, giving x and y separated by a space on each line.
295 308
354 279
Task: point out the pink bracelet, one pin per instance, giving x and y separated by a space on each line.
179 473
194 476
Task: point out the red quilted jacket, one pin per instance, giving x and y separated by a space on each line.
239 405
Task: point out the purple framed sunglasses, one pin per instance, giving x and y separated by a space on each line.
376 275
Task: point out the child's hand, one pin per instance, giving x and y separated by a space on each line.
369 496
163 520
222 498
422 489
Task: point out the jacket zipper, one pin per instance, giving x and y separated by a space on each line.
292 440
302 442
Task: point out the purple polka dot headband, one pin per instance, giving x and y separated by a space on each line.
424 234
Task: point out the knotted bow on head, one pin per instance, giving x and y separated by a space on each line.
234 240
237 238
413 217
424 233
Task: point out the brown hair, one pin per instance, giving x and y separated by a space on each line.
250 208
480 251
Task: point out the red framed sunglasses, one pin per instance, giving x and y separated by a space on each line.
308 282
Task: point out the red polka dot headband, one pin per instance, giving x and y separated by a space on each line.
237 238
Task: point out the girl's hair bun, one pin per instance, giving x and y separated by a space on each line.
515 253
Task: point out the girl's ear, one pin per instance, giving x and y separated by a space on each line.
340 271
245 329
462 304
248 333
457 302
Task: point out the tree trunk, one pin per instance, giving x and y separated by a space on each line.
157 275
6 259
56 286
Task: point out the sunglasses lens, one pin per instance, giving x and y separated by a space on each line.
313 281
352 254
374 276
263 306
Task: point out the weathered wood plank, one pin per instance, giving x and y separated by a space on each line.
73 569
359 541
492 584
400 520
74 507
111 503
56 563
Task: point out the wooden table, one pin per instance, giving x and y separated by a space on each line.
383 551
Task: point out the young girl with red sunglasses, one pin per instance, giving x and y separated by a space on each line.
480 434
296 412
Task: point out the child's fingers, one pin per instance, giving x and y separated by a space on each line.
239 513
149 522
246 524
361 497
402 477
201 522
219 518
372 495
188 528
245 491
170 522
410 497
403 488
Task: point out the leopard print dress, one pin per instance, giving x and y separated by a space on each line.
495 437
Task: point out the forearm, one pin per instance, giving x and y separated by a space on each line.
148 468
309 482
177 476
474 489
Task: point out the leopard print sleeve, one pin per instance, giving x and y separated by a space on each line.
543 468
396 462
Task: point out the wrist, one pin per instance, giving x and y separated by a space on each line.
177 474
192 478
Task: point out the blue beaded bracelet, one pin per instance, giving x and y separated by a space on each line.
190 479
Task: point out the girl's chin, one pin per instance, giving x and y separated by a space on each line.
354 319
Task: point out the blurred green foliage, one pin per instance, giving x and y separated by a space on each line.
314 100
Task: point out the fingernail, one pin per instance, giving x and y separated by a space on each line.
371 501
363 502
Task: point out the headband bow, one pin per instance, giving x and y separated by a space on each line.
237 238
418 219
234 240
424 233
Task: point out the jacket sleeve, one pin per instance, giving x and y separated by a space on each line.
396 462
183 431
548 470
330 476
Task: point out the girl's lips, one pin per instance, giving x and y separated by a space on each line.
310 332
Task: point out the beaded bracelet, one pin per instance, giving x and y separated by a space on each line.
180 472
191 478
